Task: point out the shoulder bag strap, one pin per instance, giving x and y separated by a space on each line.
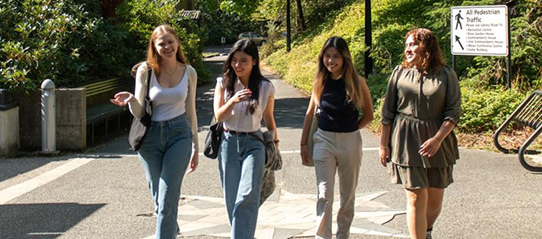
147 98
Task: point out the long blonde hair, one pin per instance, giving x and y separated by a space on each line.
354 93
152 54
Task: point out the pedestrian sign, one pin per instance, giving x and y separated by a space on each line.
480 30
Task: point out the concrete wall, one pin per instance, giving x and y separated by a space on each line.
70 120
30 121
9 131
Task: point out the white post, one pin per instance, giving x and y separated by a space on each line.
48 117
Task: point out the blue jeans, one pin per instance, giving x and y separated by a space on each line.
165 155
241 163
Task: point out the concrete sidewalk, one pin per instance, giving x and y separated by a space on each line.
102 193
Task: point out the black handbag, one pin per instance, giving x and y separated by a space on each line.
212 141
139 127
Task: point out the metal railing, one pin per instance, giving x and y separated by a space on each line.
528 113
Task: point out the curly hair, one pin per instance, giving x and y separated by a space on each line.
432 57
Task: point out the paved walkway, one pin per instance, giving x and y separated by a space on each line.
102 193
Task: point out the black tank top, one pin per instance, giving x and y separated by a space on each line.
336 113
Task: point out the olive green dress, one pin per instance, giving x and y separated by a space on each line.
416 105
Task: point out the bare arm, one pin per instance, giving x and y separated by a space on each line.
367 106
431 146
192 118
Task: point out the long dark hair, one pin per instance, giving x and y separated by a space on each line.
256 77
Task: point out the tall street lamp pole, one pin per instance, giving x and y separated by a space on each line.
368 39
288 27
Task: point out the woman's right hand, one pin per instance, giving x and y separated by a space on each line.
304 154
241 95
384 155
123 98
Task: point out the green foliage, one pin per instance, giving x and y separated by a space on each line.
485 103
59 40
69 42
140 17
243 8
526 39
299 66
486 110
217 24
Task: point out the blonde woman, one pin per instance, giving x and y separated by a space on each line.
340 94
171 143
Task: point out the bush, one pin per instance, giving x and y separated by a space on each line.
483 111
59 40
69 42
486 110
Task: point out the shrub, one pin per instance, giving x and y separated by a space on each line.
69 42
486 110
59 40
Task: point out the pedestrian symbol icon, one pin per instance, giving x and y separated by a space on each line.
458 19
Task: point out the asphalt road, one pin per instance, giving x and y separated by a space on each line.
102 193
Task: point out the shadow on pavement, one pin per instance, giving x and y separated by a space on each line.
48 220
290 112
11 167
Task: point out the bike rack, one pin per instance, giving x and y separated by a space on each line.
528 113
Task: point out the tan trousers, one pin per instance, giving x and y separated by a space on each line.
336 152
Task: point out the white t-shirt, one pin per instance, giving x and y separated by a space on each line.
168 103
240 119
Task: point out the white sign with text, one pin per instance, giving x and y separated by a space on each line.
480 30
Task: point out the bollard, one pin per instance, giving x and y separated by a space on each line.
48 117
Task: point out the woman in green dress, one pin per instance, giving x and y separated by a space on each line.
421 108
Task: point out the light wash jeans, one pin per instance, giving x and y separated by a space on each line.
241 164
165 155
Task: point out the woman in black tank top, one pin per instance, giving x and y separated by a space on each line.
340 94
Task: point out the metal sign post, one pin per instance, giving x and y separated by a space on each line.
481 31
223 41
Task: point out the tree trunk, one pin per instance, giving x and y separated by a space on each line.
109 9
301 19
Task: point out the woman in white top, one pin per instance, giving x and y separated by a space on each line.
242 98
171 143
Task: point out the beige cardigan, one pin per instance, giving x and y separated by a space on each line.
136 107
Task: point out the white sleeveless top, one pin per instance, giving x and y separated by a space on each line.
168 103
240 120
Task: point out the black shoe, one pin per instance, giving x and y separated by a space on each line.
428 233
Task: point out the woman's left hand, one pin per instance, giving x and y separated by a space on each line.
430 147
193 163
